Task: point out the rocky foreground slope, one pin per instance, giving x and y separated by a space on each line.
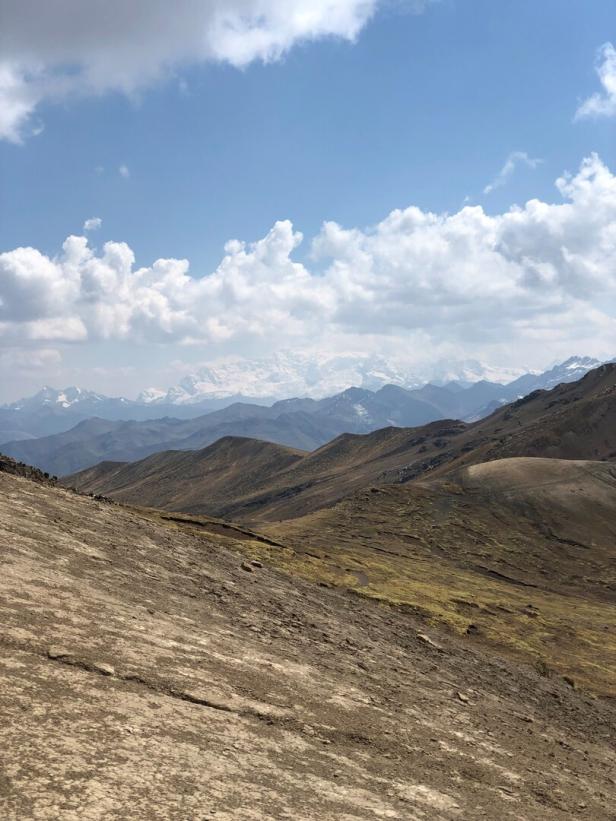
149 670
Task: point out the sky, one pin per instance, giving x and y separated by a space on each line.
423 180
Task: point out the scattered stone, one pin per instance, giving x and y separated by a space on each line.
472 629
247 566
256 563
428 640
570 681
527 719
462 697
56 652
506 790
105 669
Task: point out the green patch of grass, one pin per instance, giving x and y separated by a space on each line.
568 635
560 633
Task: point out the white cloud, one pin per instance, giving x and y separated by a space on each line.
54 50
18 99
511 163
602 104
533 274
92 224
36 359
124 171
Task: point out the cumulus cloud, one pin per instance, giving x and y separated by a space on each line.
124 171
602 103
514 159
92 224
538 272
63 48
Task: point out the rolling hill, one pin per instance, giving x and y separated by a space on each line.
230 469
572 421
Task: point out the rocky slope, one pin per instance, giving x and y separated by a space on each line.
14 468
149 671
517 552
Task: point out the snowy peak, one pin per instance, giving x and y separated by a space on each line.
470 371
151 396
301 377
49 397
284 375
571 370
288 374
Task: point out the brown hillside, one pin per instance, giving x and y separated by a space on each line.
573 421
197 481
147 675
518 552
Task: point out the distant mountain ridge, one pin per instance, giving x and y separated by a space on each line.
302 423
261 382
290 373
52 411
66 398
236 477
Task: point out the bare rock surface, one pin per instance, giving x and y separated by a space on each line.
145 675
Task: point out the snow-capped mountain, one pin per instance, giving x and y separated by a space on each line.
289 374
280 376
66 398
341 384
469 371
152 395
303 423
569 371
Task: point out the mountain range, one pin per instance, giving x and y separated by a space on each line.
53 410
244 478
101 433
296 373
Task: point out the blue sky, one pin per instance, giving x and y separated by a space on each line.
422 109
419 109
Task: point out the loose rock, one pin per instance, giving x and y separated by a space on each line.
427 640
56 652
